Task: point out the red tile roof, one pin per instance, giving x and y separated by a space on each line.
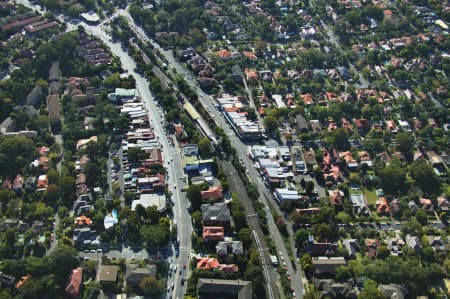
213 233
249 55
22 281
214 192
83 220
75 280
382 205
223 54
207 263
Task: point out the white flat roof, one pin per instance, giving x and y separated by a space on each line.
151 199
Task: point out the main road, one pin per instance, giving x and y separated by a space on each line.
242 149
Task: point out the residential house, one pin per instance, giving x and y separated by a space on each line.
426 204
213 233
82 143
392 291
42 182
9 223
382 206
437 163
6 280
307 99
320 249
75 283
395 207
229 247
437 243
213 264
236 73
22 227
359 204
107 274
223 54
349 160
213 288
207 263
186 54
18 184
352 247
327 265
364 157
371 247
395 245
38 226
391 126
315 126
336 197
213 193
35 97
22 281
302 125
216 214
283 194
328 288
362 125
251 75
414 243
82 221
442 203
134 273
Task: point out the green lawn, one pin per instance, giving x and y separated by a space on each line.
371 196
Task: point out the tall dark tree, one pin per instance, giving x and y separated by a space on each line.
424 176
194 195
62 260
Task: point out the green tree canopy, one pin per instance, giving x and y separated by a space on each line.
424 177
150 287
204 147
15 153
62 260
392 179
193 193
371 291
154 236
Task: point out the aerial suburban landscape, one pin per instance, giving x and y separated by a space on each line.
225 149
